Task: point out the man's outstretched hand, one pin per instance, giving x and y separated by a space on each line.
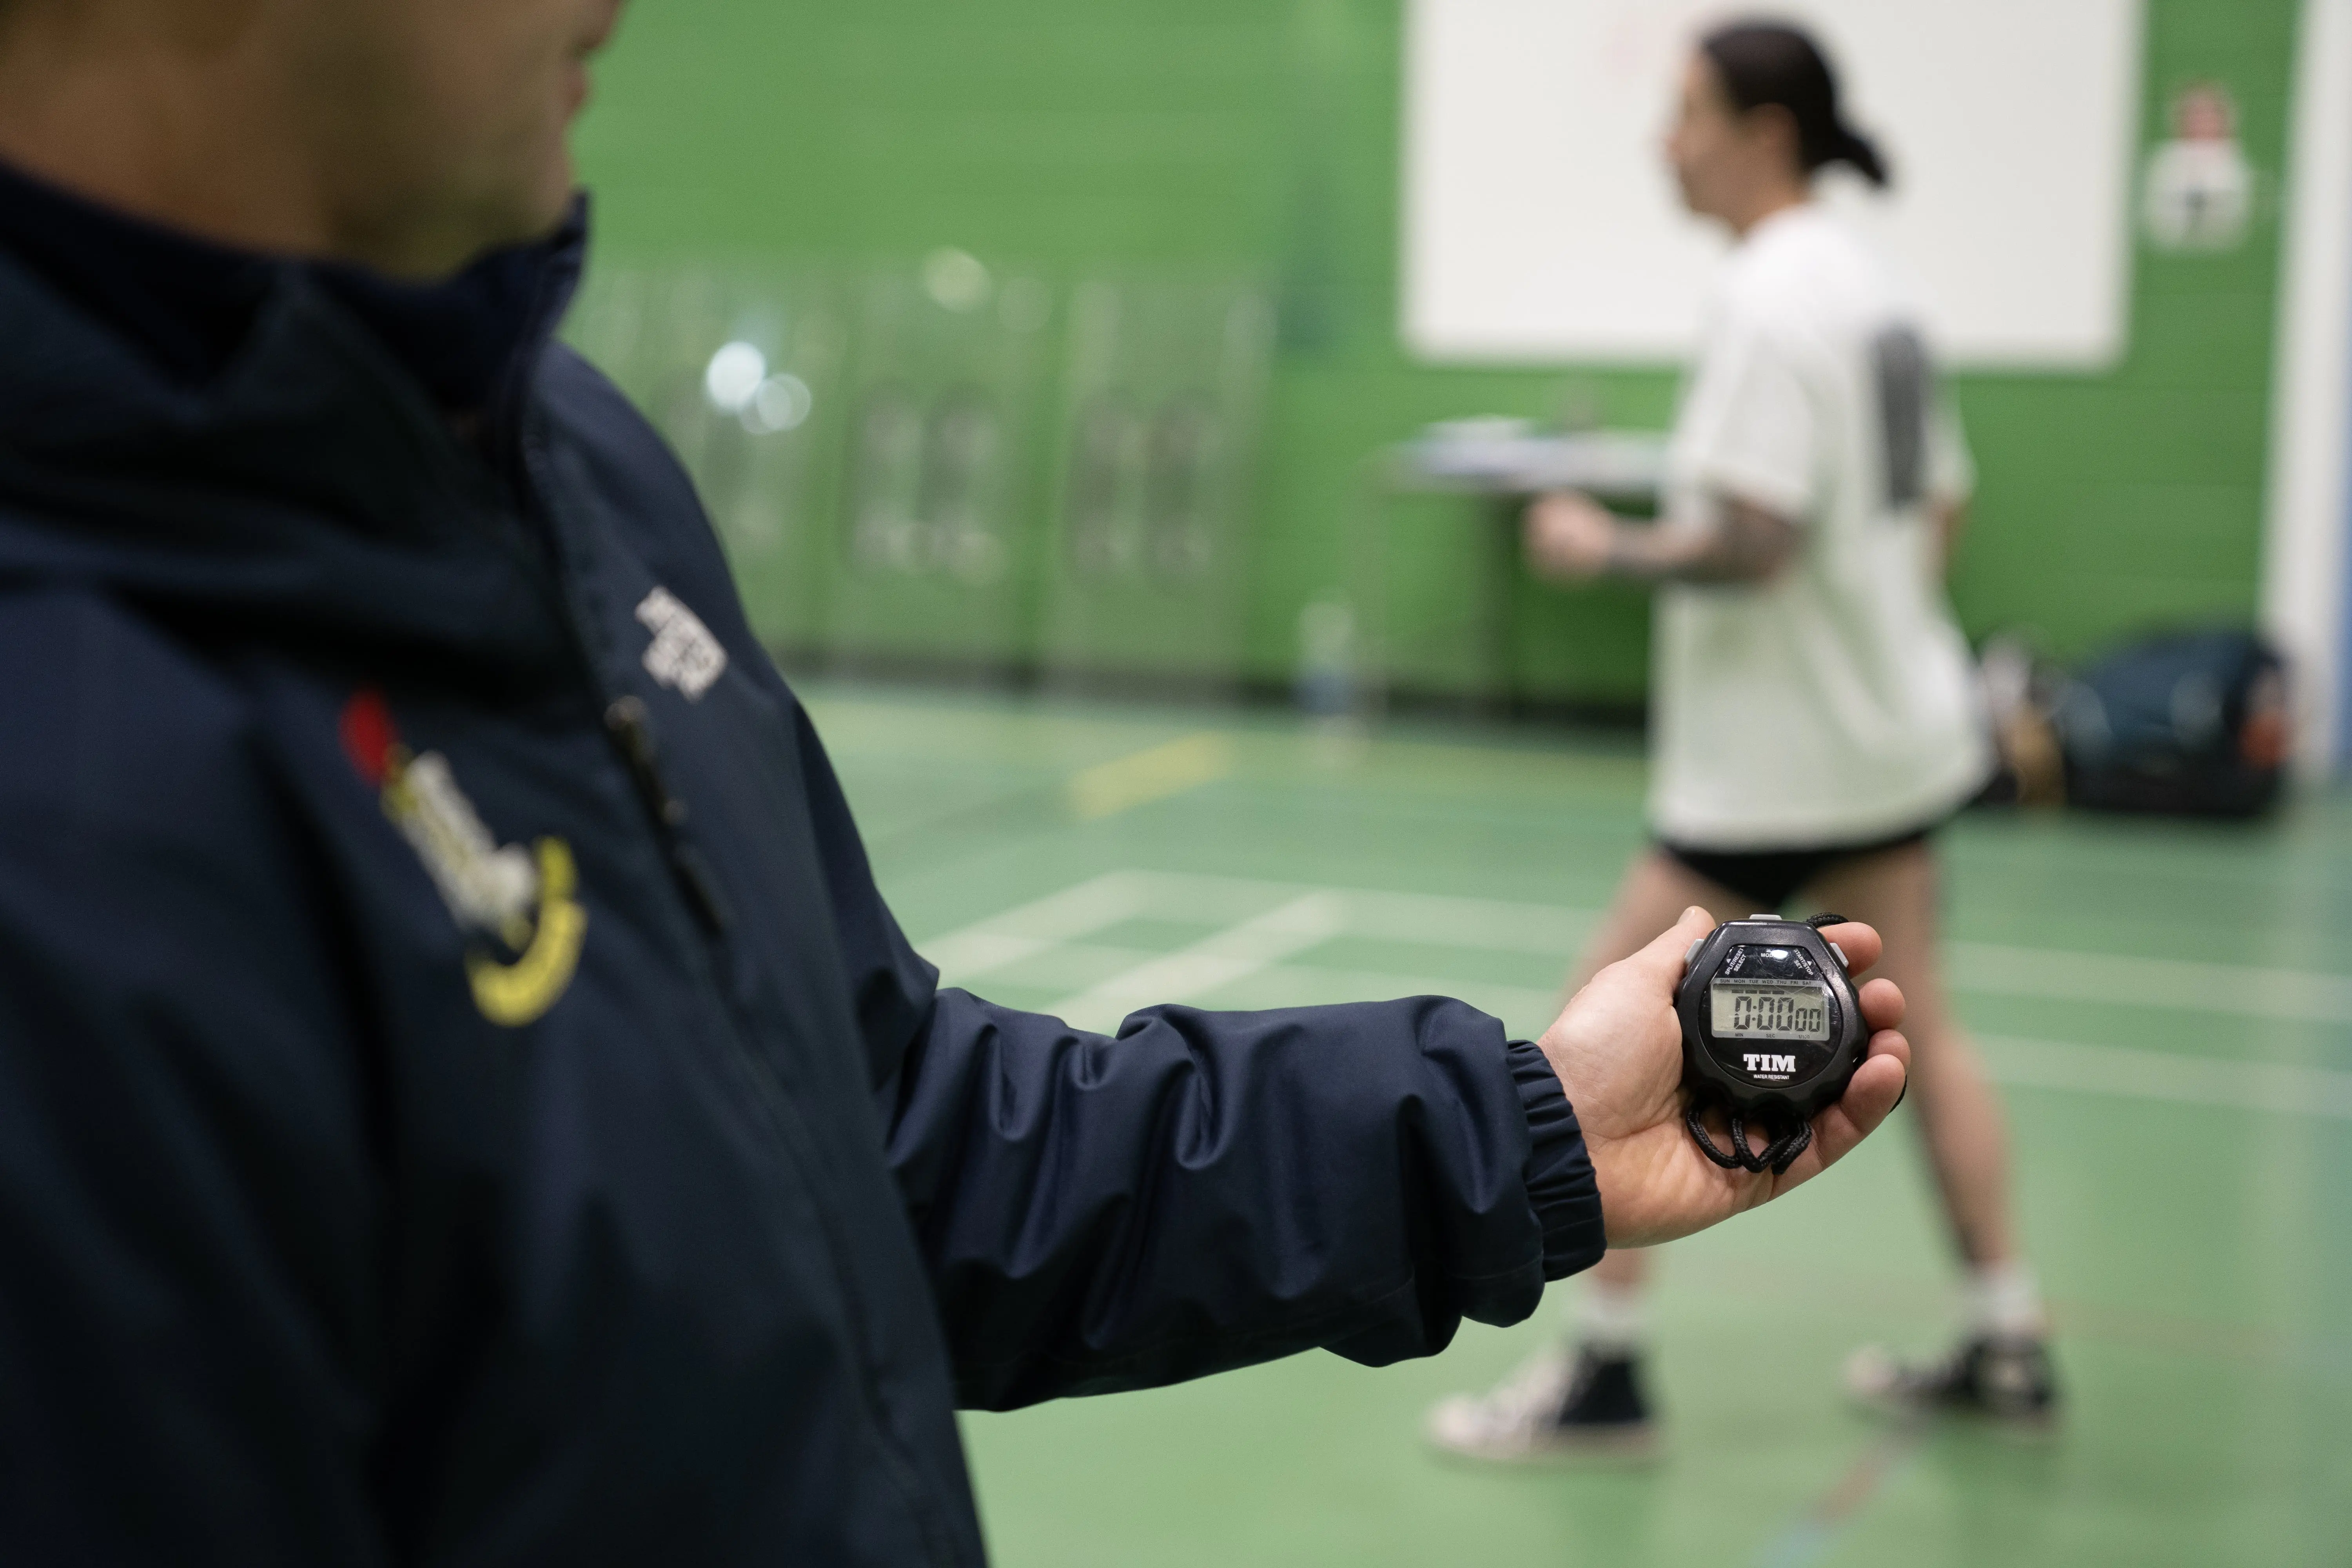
1618 1053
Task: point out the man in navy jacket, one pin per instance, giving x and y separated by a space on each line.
461 1096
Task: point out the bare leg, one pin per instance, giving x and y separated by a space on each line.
1963 1134
2001 1368
1655 890
1590 1402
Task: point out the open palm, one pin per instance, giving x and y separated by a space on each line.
1618 1051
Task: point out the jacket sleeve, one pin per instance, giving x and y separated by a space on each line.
185 1194
1205 1190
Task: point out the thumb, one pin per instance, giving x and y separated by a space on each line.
1661 963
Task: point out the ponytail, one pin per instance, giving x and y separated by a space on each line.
1861 153
1772 64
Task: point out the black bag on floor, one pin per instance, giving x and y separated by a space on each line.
2189 723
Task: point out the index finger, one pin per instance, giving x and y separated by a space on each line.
1859 943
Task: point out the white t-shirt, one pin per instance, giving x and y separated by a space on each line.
1835 703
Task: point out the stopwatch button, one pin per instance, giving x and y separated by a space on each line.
1844 962
1693 952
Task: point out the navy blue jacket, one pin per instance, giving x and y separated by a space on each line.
462 1098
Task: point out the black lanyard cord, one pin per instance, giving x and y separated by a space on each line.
1777 1156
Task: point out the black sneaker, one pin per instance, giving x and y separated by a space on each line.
2003 1379
1554 1407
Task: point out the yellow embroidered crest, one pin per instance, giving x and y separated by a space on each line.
518 906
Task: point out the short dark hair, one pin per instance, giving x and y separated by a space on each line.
1771 63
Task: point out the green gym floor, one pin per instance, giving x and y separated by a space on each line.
2169 1008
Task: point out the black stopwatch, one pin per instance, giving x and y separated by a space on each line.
1772 1032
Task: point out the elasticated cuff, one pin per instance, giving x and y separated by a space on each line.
1560 1179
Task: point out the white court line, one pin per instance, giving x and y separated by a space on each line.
2122 1071
1982 969
1023 933
1524 1008
1493 926
1261 942
1431 919
1238 951
2294 996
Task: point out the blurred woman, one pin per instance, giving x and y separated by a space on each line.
1814 716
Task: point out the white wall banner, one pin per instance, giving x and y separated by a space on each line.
1541 225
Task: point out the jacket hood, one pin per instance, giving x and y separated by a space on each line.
313 492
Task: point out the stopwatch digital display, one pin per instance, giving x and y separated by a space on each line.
1772 1032
1770 1010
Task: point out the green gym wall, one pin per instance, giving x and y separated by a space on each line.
1260 139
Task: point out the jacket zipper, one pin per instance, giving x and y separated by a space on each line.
627 725
624 721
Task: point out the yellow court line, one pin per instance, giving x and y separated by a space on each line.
1138 779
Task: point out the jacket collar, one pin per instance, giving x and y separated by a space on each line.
342 376
313 484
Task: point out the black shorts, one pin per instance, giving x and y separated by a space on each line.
1768 878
